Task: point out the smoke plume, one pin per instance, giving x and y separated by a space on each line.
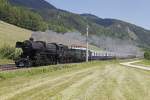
117 47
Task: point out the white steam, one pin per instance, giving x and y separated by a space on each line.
121 48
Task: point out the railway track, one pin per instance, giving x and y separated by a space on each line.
8 67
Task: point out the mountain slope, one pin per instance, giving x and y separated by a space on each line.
58 20
125 29
21 17
62 21
40 4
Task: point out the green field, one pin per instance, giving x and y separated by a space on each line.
9 34
145 63
105 80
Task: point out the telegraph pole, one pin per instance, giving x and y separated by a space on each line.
87 44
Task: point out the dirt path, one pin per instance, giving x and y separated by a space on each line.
130 64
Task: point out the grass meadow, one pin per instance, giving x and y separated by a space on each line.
9 34
100 80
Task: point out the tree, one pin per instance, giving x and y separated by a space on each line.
21 17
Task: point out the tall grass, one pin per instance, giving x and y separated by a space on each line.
49 69
9 52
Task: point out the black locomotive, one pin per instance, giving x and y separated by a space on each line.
39 53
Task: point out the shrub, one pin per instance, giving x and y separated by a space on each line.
147 55
9 52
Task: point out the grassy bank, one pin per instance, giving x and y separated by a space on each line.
47 69
9 34
6 61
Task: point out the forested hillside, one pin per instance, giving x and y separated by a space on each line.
40 15
22 17
121 29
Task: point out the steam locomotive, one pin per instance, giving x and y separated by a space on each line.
39 53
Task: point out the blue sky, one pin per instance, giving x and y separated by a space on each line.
133 11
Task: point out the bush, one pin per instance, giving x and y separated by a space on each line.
147 55
9 52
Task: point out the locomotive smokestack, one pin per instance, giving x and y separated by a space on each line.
31 39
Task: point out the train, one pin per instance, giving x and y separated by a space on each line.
40 53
